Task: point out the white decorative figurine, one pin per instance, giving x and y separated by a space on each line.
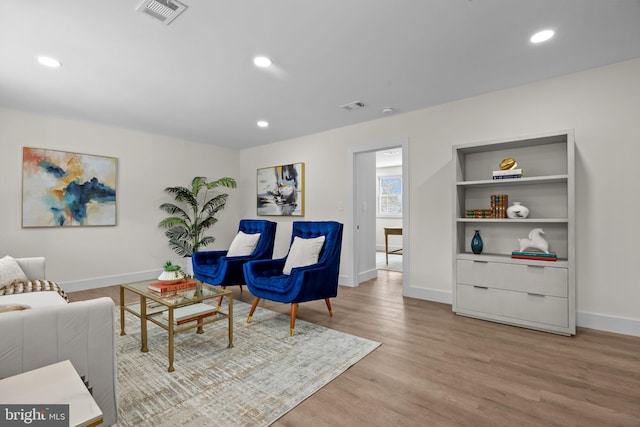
535 240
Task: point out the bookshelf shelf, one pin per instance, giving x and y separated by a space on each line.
492 285
551 179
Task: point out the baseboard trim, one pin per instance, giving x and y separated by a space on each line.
101 282
434 295
344 280
602 322
367 275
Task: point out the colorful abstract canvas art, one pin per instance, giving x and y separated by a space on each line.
62 189
280 190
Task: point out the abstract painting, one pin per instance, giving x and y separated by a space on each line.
62 189
280 190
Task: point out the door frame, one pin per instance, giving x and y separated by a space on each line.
379 146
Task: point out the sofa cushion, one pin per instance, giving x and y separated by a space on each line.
10 272
33 299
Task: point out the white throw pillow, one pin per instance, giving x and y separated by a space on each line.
10 272
303 252
243 244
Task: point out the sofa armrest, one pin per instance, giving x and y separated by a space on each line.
82 332
33 267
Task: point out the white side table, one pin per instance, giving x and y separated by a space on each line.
54 384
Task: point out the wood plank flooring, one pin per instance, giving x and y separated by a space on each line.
438 369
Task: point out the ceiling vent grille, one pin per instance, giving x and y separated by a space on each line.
356 105
164 11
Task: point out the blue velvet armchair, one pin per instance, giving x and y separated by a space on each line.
265 278
216 268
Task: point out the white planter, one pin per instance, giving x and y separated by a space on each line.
171 276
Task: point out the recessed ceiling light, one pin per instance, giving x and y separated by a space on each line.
542 36
262 61
49 62
263 123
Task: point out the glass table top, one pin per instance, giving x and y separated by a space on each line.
200 292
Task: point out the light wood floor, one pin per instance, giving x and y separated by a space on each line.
438 369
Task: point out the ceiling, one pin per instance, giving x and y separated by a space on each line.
194 79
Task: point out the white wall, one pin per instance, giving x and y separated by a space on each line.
600 104
81 257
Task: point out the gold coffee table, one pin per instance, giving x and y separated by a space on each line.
161 310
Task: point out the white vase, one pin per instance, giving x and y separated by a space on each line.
517 210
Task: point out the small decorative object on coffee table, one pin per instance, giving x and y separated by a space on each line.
172 273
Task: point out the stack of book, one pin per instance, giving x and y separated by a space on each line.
167 289
478 213
539 256
499 205
508 174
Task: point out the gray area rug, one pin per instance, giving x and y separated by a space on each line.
265 374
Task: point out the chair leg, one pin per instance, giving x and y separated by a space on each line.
292 325
240 288
329 306
256 300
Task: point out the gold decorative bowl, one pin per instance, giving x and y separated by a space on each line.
508 163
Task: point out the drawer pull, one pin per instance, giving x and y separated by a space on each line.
480 287
535 266
481 262
535 295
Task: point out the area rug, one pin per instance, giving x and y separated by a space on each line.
264 375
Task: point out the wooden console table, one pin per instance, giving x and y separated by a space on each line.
391 231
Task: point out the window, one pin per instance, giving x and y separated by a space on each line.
389 196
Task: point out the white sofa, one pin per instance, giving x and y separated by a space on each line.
53 330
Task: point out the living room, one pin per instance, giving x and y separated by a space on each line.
600 104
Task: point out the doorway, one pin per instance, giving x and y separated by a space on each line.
388 185
365 209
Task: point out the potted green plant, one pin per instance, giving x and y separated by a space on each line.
193 213
171 273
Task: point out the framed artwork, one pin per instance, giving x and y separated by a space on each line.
280 190
62 189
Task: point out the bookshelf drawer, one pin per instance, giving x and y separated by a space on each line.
505 305
550 281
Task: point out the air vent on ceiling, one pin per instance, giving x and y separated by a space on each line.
164 11
356 105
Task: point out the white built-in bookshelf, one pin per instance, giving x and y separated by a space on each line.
492 285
